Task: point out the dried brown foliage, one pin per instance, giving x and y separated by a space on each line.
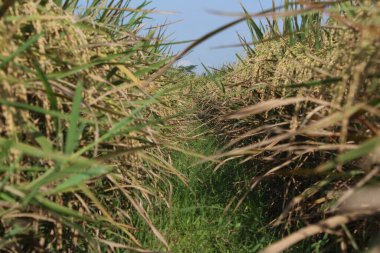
304 119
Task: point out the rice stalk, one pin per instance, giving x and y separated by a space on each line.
76 165
301 110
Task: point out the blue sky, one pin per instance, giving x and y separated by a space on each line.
196 21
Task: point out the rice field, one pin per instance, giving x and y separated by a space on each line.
106 146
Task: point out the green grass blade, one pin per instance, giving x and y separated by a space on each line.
40 153
214 78
73 131
78 178
49 90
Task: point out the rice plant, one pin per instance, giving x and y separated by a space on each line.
301 111
80 149
94 119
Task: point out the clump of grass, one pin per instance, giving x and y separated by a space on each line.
302 110
80 147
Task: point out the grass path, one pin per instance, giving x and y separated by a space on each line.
197 223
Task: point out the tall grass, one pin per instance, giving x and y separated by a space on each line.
80 144
284 24
83 164
302 110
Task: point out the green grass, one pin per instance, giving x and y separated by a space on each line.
196 222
